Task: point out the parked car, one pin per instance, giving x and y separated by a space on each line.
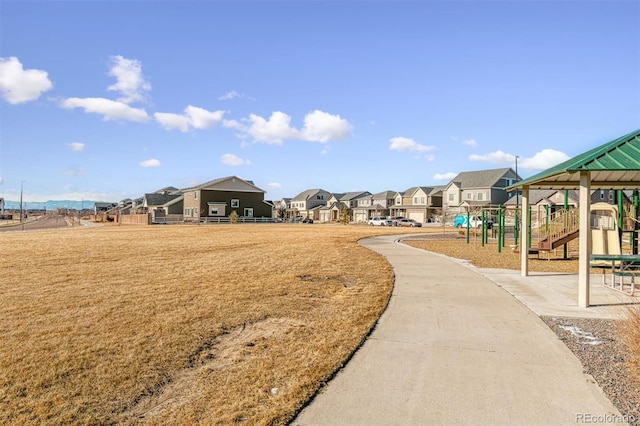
394 220
460 221
380 221
408 222
307 220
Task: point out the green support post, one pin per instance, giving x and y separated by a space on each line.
467 226
516 228
566 209
546 219
482 230
636 226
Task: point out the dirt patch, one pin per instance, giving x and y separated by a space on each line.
215 355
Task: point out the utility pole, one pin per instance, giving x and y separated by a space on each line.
21 188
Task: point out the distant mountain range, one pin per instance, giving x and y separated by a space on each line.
49 205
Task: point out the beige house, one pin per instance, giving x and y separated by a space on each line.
308 203
418 203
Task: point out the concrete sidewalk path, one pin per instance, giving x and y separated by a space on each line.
455 348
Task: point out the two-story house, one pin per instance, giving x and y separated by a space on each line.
478 189
418 203
337 203
220 197
307 203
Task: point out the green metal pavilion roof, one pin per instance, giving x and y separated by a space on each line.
614 165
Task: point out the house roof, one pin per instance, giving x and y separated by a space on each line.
305 195
384 195
156 199
354 195
537 195
614 165
480 178
229 183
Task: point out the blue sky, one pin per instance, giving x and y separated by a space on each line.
110 100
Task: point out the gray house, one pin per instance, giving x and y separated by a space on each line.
478 189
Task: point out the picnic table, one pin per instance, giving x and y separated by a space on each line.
621 266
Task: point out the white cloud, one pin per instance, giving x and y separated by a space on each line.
406 144
152 162
444 176
234 160
430 157
540 161
233 124
272 131
323 127
319 126
110 110
543 160
131 83
77 146
470 142
497 157
198 118
18 85
229 95
171 121
274 185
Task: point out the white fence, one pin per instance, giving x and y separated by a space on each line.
179 219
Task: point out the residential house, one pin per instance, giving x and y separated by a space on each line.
282 208
418 203
340 202
361 212
308 203
373 205
220 197
477 189
162 203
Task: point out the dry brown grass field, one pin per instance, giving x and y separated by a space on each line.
181 324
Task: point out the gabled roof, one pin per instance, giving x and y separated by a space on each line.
480 178
229 183
156 199
305 195
354 195
384 195
167 190
614 165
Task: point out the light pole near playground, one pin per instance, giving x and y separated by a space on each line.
21 188
517 192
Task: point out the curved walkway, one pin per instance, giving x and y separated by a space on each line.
454 348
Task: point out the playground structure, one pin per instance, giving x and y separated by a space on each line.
551 228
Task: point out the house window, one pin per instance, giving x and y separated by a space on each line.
611 195
451 197
248 212
422 200
480 196
602 194
195 195
469 196
415 200
235 202
320 197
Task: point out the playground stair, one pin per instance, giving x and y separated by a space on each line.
562 228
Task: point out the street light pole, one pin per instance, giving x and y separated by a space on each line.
21 188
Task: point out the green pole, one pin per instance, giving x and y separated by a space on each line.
515 228
566 209
636 227
546 218
529 227
499 229
482 230
467 226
